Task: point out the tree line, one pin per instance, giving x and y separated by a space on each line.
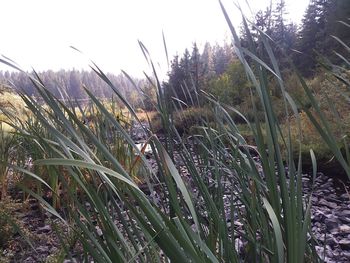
217 70
69 85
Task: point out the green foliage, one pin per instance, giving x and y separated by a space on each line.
331 96
188 120
273 23
320 23
216 184
190 73
232 87
183 225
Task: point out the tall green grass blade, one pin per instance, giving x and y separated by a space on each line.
277 230
179 182
87 165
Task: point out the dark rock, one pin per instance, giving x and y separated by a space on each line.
319 215
332 197
328 204
336 252
329 252
318 224
345 197
345 220
344 213
330 240
345 244
346 254
335 231
331 223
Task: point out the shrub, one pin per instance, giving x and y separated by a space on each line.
331 97
189 118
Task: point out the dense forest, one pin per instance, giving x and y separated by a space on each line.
307 47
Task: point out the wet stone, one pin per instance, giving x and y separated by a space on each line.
346 254
345 220
319 215
329 252
345 197
345 243
330 240
314 199
344 213
331 223
344 229
328 204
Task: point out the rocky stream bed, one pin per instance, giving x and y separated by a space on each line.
330 224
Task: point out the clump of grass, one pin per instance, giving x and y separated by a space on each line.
324 121
190 118
9 100
144 116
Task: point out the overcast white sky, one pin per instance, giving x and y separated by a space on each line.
38 33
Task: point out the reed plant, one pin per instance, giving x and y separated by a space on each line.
222 202
7 143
